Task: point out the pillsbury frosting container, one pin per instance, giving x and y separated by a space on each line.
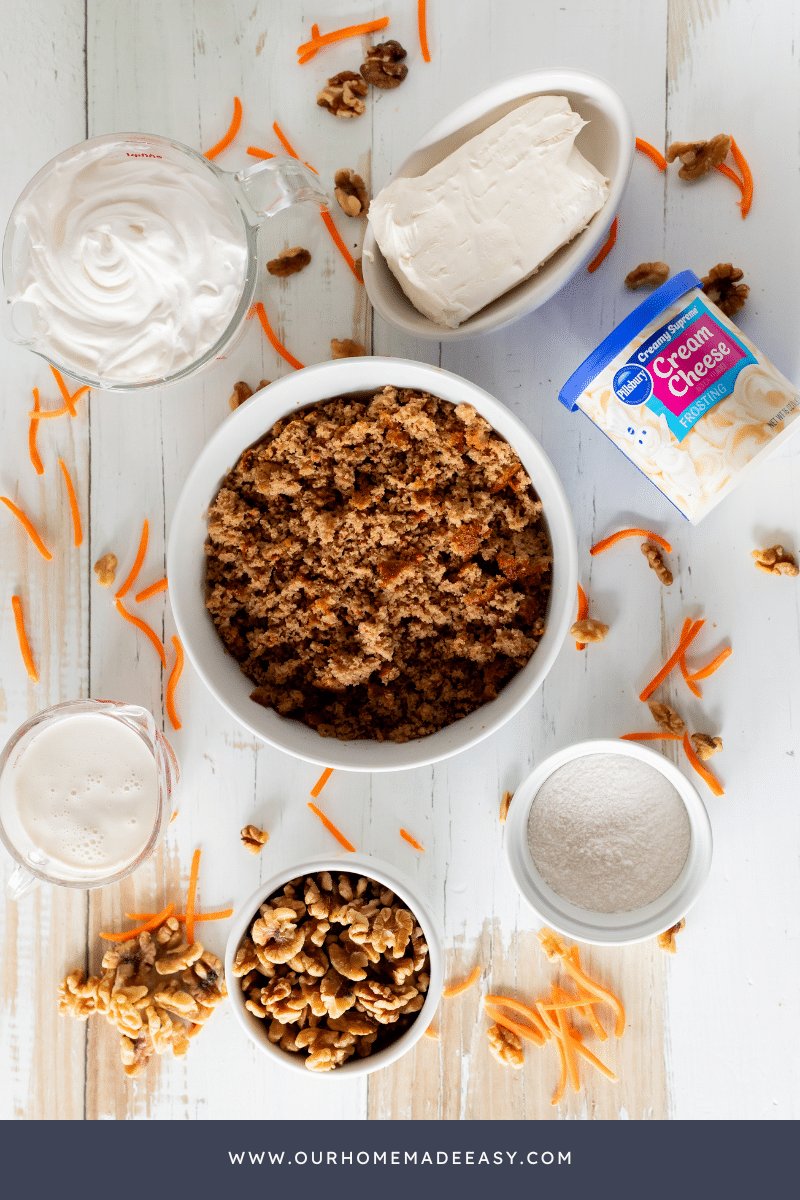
685 396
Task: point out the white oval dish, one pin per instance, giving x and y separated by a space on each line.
608 929
608 142
186 563
372 868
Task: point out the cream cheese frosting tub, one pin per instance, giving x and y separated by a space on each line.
686 397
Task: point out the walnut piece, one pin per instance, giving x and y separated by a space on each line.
705 745
276 932
656 563
775 561
505 1046
106 570
505 804
666 940
241 392
348 961
698 158
346 349
343 95
589 630
648 274
254 839
383 66
667 718
722 287
351 193
289 262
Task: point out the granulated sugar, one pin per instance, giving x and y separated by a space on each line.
608 832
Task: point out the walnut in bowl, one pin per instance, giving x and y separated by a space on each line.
335 966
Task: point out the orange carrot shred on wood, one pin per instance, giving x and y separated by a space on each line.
711 780
340 246
222 915
572 965
458 988
153 923
422 26
69 401
29 527
137 562
747 178
288 147
729 174
682 664
412 841
160 585
529 1032
659 736
172 682
320 784
562 1082
73 504
651 152
713 666
22 638
190 896
331 828
517 1006
569 1050
233 129
255 152
145 629
309 49
431 1033
38 465
673 659
583 612
606 248
276 345
606 543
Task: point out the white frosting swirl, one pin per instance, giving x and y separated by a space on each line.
134 266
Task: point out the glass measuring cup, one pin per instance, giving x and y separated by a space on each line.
241 201
17 832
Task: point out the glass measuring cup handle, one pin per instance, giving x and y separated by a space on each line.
20 882
277 183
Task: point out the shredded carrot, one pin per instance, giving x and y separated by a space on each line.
233 129
606 543
682 663
320 784
38 465
606 248
729 174
523 1031
562 1082
713 666
458 988
174 815
153 923
22 638
659 736
276 345
256 153
411 841
592 1058
73 504
289 148
742 164
572 965
48 413
309 49
146 630
431 1033
29 528
222 915
518 1007
711 780
172 682
569 1050
583 612
588 1013
331 828
673 659
190 896
62 387
651 152
340 246
422 25
137 563
153 590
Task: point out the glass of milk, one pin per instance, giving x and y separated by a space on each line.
87 790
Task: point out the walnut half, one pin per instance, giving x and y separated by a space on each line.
656 563
254 839
698 158
722 287
705 745
289 262
648 274
383 67
667 718
589 630
346 348
666 940
105 569
343 95
775 561
351 192
505 1046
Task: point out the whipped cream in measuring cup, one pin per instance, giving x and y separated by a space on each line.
128 265
690 400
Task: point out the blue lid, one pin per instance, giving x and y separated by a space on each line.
618 339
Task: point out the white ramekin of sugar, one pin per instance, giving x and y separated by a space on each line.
608 842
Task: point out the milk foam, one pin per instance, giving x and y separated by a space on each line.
83 794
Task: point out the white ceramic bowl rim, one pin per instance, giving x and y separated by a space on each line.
186 563
404 890
610 929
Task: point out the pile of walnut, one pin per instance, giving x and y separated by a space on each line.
157 990
341 971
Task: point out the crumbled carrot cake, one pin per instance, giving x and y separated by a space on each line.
379 566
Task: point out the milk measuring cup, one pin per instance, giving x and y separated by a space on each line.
130 261
87 790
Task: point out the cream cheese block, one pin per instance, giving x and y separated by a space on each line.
491 213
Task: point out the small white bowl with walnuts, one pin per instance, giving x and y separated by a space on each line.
335 966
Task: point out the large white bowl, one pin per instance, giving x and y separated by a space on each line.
186 563
608 929
404 890
608 142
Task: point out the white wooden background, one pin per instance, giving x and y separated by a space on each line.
713 1032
